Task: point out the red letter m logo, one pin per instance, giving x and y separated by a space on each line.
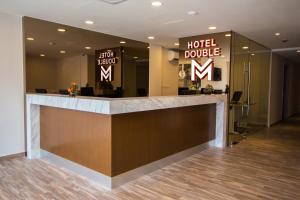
202 71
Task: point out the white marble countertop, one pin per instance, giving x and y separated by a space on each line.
121 105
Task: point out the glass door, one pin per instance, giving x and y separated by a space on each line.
249 87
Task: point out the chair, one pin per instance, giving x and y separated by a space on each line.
63 92
141 92
41 91
87 91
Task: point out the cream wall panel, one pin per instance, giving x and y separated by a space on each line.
11 85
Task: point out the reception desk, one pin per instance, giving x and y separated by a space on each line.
113 141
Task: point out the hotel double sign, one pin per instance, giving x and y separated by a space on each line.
198 49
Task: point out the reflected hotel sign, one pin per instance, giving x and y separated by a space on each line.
202 48
106 60
198 49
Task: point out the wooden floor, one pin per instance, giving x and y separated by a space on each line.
264 166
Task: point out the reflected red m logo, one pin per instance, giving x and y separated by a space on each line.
106 74
202 71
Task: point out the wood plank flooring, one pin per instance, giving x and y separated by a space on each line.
264 166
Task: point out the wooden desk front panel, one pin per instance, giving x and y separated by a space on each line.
143 137
82 137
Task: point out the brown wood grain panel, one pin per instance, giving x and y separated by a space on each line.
82 137
143 137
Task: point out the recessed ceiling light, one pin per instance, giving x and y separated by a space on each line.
52 43
212 28
30 38
151 37
123 42
62 51
252 54
277 34
245 47
61 30
192 12
228 34
89 22
87 47
298 51
42 55
148 47
156 3
176 44
135 57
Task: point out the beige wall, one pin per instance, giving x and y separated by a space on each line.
72 69
11 85
169 75
41 73
155 70
91 71
129 82
54 74
163 75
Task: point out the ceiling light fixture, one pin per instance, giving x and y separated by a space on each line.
298 51
156 3
228 35
135 57
87 48
151 37
192 12
62 51
61 30
42 55
113 2
89 22
277 34
245 47
176 44
252 54
148 47
30 38
212 28
123 42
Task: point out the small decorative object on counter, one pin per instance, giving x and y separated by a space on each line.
208 89
73 90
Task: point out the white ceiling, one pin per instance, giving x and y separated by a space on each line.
137 19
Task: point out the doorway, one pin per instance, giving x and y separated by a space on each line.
285 93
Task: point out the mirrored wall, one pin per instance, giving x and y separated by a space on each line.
101 65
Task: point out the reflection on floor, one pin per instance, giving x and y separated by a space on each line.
264 166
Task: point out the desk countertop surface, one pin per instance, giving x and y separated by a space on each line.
121 105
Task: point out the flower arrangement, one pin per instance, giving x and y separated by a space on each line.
73 90
209 89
